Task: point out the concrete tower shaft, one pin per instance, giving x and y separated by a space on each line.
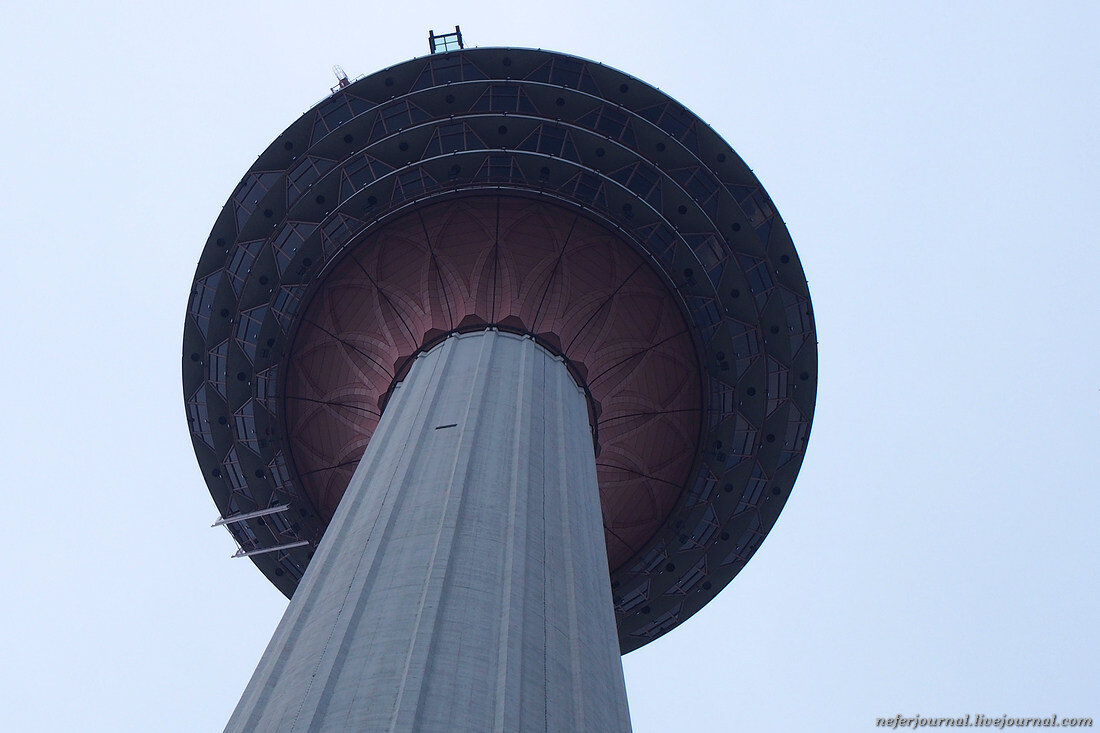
463 582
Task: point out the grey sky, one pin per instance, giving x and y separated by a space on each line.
937 167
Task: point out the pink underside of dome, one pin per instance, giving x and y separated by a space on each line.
493 259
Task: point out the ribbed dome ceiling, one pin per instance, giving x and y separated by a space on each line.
529 266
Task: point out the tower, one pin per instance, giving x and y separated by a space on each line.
516 356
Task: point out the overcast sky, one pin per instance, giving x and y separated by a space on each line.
937 168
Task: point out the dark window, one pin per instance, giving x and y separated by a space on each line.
500 168
652 560
244 420
199 418
337 230
798 430
758 207
661 624
739 191
504 98
288 241
800 320
452 137
754 487
244 535
264 389
643 180
703 488
746 345
550 139
251 192
202 299
777 384
741 443
566 72
234 475
286 304
446 69
690 579
697 181
703 532
248 329
216 361
241 263
586 188
704 311
674 120
279 524
439 71
721 397
612 121
280 474
335 111
360 172
711 253
398 115
411 183
635 597
661 242
758 276
746 543
304 174
763 232
609 121
292 568
253 188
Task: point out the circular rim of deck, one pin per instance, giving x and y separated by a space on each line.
638 163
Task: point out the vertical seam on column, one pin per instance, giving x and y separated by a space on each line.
510 549
264 689
486 343
438 366
441 369
567 548
545 596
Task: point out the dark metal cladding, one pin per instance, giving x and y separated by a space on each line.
532 129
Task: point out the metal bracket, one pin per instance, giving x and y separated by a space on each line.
251 515
242 553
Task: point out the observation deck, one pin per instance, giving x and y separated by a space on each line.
534 193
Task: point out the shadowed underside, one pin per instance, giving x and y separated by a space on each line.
532 267
538 193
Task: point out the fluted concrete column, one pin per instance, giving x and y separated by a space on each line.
463 583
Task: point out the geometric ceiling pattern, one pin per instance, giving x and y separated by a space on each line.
529 265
